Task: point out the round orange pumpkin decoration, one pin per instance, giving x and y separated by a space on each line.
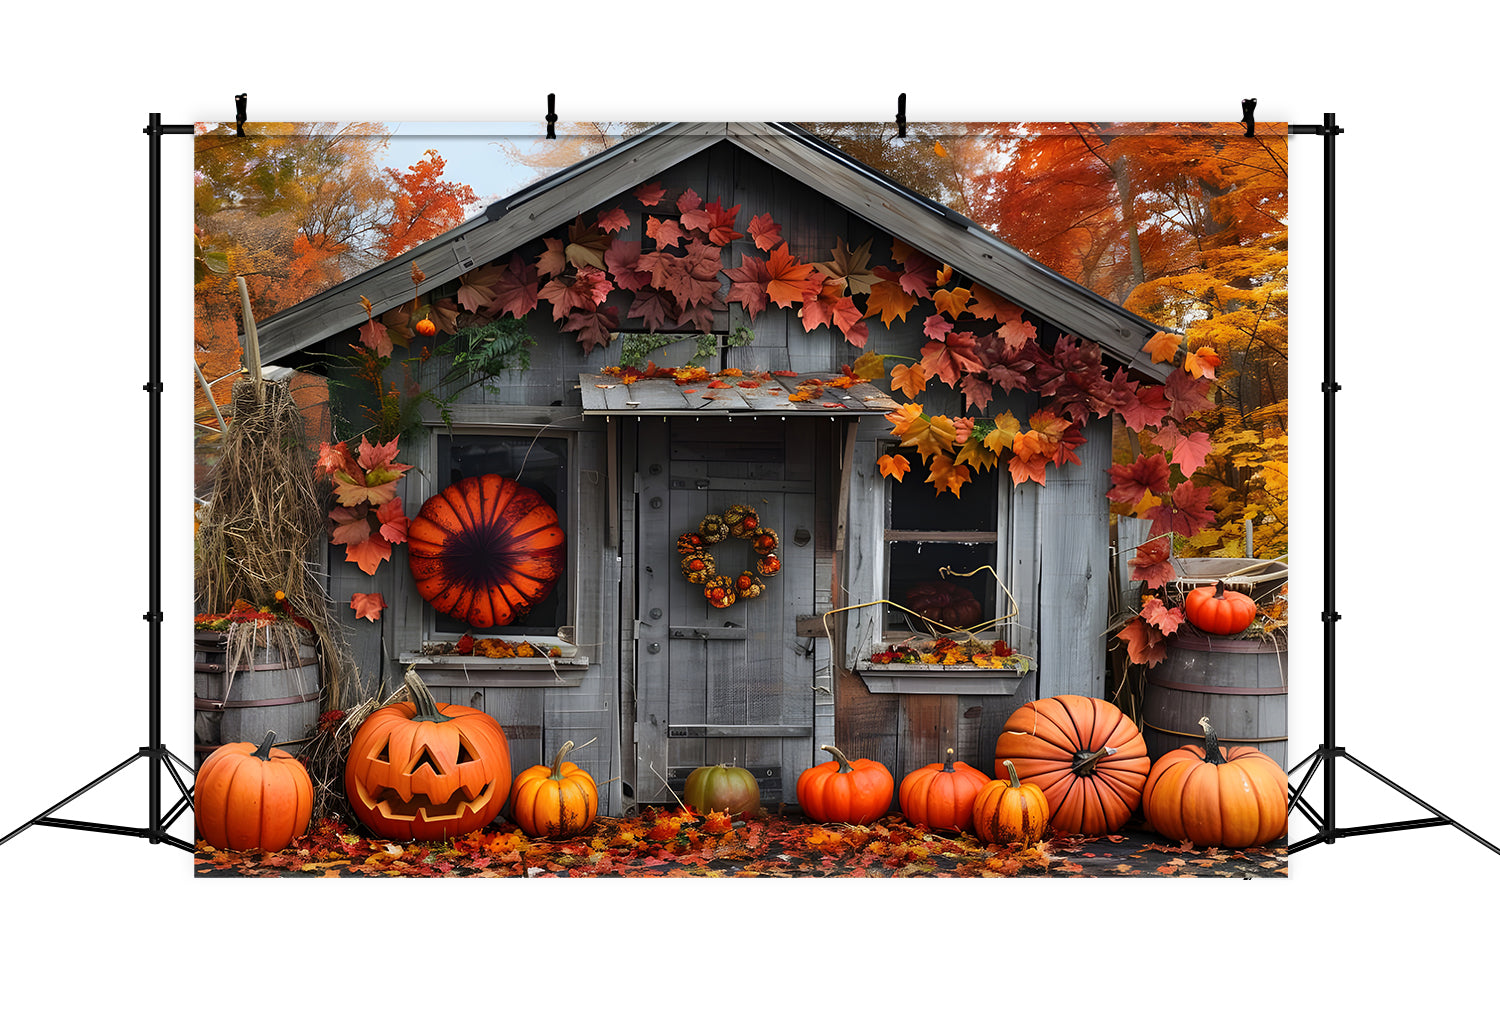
852 792
1008 810
420 770
1216 610
249 797
1232 798
554 802
486 550
941 795
426 328
1088 759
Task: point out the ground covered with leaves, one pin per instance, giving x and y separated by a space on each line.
671 842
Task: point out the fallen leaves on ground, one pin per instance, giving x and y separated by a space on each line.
671 842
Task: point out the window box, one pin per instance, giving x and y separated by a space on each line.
969 680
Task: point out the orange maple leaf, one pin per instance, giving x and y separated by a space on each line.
1030 454
1144 643
367 606
946 475
893 465
930 436
1201 363
887 300
902 419
951 301
1162 347
790 281
909 379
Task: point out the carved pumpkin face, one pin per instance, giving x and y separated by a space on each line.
419 770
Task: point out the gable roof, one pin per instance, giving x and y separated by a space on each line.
545 206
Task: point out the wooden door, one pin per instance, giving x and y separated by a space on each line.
734 685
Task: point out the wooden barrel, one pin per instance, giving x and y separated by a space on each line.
1238 683
265 695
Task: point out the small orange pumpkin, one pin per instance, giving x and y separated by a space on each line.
1010 811
719 590
249 797
554 802
425 327
1216 610
1231 798
941 795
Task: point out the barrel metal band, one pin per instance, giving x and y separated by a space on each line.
1222 739
1228 691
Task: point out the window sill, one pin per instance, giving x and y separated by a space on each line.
454 669
965 680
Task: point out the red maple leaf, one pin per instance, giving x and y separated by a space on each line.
515 289
650 195
748 284
621 260
1148 474
1166 619
393 521
663 232
937 326
367 606
1185 514
552 260
977 391
594 326
585 290
1189 451
1152 563
919 271
654 306
614 220
374 336
1186 396
1144 643
1145 407
951 357
765 232
713 220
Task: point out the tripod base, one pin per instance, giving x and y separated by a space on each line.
159 757
1328 832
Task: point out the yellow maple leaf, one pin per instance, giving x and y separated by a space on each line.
930 436
953 302
946 475
1003 433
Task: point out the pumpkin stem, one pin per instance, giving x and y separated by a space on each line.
948 761
264 750
422 700
558 760
844 767
1015 780
1085 763
1211 752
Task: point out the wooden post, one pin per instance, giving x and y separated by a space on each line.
252 343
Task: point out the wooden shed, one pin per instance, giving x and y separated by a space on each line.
662 680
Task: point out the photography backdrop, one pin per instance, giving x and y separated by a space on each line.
70 893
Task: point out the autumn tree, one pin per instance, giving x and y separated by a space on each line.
423 205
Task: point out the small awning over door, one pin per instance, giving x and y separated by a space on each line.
721 394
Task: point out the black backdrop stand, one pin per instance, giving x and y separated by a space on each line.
1329 753
1326 756
157 755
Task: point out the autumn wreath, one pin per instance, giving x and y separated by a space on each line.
698 565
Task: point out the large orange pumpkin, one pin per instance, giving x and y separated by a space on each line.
420 770
1233 798
486 550
1088 759
252 798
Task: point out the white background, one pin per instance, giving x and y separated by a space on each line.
1376 927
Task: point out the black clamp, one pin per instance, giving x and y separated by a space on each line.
552 115
1248 107
901 116
239 114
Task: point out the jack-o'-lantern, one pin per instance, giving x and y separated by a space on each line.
420 770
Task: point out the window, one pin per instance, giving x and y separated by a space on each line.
540 463
927 533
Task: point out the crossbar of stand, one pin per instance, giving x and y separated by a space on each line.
157 756
1329 753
